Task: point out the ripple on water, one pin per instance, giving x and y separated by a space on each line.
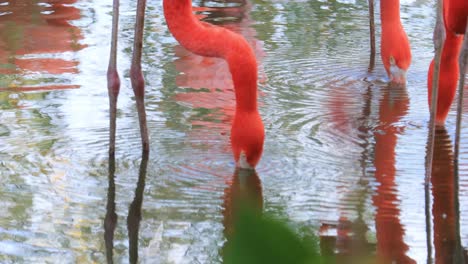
326 119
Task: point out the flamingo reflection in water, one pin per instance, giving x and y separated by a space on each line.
28 30
445 206
244 192
351 242
391 247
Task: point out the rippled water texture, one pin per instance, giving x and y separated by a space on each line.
344 152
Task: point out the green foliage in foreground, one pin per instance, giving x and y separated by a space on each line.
262 239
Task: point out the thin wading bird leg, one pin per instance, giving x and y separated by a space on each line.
136 76
438 39
462 62
113 81
113 88
372 36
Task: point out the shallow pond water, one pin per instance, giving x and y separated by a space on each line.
344 152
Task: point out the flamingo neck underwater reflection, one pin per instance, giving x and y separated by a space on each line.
394 47
247 130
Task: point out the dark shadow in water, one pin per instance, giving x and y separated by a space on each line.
445 206
134 212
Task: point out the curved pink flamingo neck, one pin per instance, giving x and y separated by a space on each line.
390 11
207 40
247 132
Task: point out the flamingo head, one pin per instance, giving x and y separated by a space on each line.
397 75
247 137
396 53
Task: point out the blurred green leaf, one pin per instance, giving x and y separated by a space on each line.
262 239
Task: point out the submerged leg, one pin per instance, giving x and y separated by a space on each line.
136 76
110 220
372 35
113 87
134 212
113 81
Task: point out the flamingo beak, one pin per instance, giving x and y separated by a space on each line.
397 75
242 162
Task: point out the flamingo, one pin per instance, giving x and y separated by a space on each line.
452 17
394 45
247 130
455 13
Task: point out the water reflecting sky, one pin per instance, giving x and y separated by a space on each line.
344 151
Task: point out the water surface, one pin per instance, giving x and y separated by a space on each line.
344 151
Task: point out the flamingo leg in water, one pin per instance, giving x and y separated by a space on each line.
438 39
113 81
462 61
113 87
136 76
372 35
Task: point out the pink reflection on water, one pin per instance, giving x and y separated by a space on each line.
351 242
33 34
391 247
